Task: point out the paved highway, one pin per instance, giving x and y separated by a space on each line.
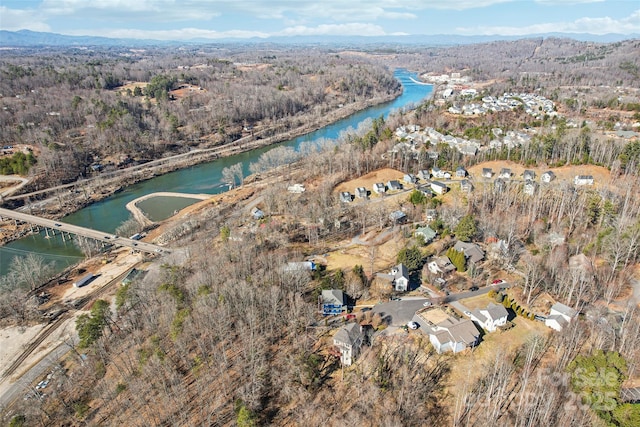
83 231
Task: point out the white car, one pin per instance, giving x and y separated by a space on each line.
467 313
427 304
412 325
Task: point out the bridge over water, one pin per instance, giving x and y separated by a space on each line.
59 227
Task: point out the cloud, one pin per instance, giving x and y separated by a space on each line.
604 25
352 29
179 34
136 10
22 19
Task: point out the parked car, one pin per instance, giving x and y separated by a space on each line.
473 288
427 304
412 325
497 282
467 313
349 317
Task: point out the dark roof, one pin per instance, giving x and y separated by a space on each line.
349 334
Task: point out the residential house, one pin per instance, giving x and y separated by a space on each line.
301 266
530 187
345 197
439 187
490 318
426 232
560 316
461 172
440 265
466 186
349 340
379 188
410 178
500 184
581 267
453 335
296 188
468 149
257 213
424 174
425 190
487 173
583 180
472 252
529 175
431 215
505 173
398 278
361 193
394 185
332 301
439 173
398 217
547 177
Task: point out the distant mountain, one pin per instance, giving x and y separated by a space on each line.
24 38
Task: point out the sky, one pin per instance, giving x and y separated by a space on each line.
216 19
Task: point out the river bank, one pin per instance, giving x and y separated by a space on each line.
87 192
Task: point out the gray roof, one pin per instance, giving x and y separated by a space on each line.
459 330
561 320
564 310
333 296
349 334
471 251
496 311
401 271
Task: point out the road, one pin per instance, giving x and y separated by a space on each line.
24 385
82 231
401 311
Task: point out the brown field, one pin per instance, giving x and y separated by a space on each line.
367 181
601 175
132 86
470 364
384 254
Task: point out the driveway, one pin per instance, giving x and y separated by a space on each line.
400 311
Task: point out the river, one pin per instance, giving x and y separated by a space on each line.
109 213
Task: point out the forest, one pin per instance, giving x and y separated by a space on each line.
219 333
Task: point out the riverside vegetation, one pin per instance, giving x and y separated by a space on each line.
218 333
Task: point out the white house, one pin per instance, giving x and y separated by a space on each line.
345 197
440 265
529 175
439 187
505 173
361 193
466 186
560 316
424 174
548 176
453 335
490 318
394 185
410 178
349 340
487 173
379 188
583 180
296 188
398 278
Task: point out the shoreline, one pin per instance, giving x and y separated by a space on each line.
126 177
